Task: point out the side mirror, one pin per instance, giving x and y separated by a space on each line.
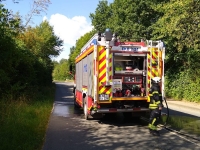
70 68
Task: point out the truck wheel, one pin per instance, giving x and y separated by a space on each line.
85 109
76 106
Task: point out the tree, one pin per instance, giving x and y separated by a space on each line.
43 44
9 27
101 15
60 70
42 41
181 22
37 7
26 54
179 28
132 20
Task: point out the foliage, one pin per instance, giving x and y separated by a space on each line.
130 19
42 41
183 87
180 21
99 18
24 121
179 28
60 70
25 55
9 27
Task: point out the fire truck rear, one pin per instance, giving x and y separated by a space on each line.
113 76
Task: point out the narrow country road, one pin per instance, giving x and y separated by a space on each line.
67 130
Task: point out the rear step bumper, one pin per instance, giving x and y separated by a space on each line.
114 110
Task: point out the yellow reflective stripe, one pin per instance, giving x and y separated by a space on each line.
155 103
155 92
154 120
152 127
158 102
89 107
153 107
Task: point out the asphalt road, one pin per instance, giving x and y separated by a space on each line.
68 130
183 108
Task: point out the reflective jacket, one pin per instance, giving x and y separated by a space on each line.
155 97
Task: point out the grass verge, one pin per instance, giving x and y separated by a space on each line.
23 122
185 124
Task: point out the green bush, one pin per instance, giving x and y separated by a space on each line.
183 87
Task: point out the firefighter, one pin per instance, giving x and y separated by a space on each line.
155 105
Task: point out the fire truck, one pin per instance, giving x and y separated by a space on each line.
115 77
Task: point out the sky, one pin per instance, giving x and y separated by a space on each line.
69 18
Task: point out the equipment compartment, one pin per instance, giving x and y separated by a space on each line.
131 69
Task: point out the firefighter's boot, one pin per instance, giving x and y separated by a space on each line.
153 130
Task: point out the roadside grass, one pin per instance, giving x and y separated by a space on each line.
23 122
184 124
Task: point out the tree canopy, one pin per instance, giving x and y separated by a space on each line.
25 54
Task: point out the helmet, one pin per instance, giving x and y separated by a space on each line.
156 80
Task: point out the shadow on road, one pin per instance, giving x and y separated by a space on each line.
120 120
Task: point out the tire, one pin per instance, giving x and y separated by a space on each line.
76 106
85 109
